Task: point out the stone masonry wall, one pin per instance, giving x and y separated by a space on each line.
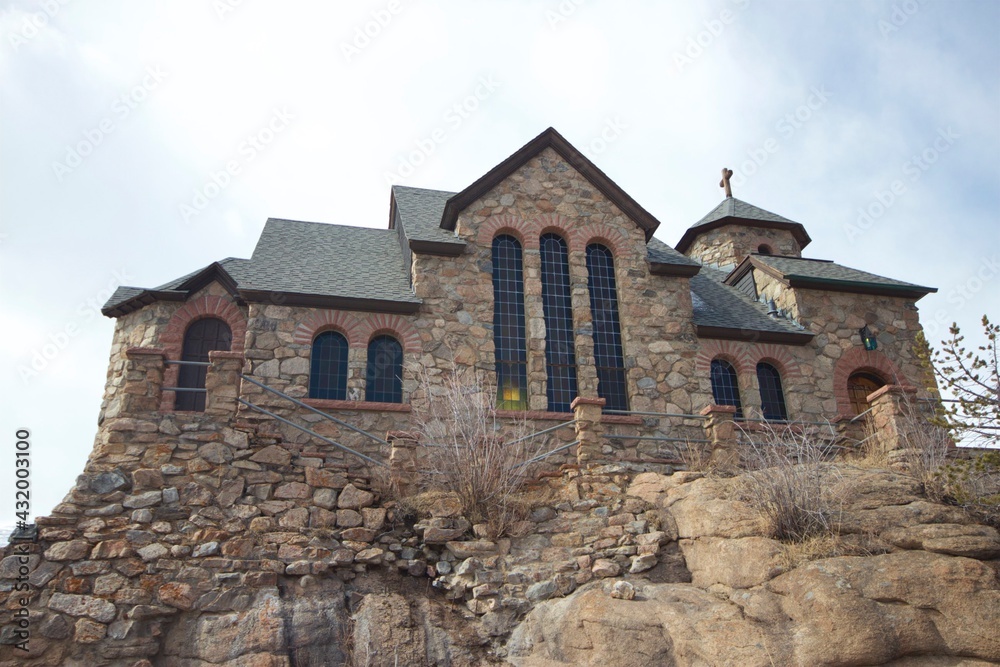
192 540
728 245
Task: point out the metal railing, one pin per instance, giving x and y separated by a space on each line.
314 410
181 362
308 431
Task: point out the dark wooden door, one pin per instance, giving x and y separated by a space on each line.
859 386
201 338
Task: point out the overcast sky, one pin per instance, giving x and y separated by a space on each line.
144 140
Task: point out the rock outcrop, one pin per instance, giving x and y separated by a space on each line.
617 568
931 598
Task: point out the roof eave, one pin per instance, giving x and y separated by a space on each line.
214 272
691 233
549 139
437 248
753 335
143 299
681 270
330 301
858 287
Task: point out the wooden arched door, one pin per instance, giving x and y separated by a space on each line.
859 386
201 337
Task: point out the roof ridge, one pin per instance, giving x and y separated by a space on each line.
396 186
329 224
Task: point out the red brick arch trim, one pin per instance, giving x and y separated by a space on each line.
172 338
859 360
523 230
778 356
615 239
553 223
330 320
737 354
401 329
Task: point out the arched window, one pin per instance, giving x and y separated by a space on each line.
608 356
508 324
859 385
328 367
202 337
725 386
772 400
385 371
560 357
764 249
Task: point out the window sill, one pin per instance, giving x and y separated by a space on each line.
542 415
362 406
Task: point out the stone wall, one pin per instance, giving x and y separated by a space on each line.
728 245
189 537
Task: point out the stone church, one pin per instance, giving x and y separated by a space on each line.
546 275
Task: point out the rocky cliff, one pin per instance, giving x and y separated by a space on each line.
189 544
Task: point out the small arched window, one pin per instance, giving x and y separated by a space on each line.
560 357
328 367
859 386
764 249
509 341
608 355
772 399
203 336
725 386
385 370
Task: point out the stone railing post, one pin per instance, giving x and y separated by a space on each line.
403 462
893 417
720 431
143 381
589 430
222 383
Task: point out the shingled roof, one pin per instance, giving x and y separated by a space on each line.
736 211
824 274
303 263
721 311
419 211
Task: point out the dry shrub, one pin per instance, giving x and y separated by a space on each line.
472 453
788 481
831 546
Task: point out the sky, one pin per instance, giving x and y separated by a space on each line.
142 140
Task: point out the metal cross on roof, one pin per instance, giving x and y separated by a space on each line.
724 183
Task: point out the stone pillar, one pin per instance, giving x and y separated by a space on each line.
589 430
222 383
720 431
143 381
403 462
893 416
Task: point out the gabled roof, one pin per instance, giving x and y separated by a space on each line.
299 263
721 311
419 212
323 260
824 274
733 211
665 261
127 299
549 139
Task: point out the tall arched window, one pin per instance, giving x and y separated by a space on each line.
608 356
202 337
560 357
725 386
384 376
772 399
508 324
859 385
328 367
